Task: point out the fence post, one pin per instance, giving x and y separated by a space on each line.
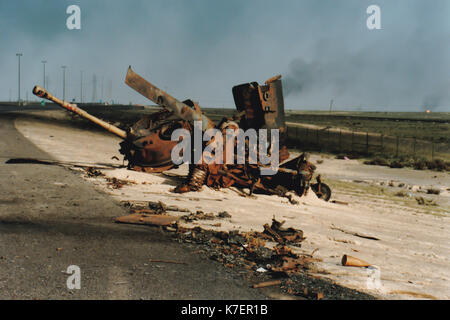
340 140
396 152
353 134
317 137
367 143
329 142
432 149
414 148
381 138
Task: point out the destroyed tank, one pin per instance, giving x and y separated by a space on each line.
147 145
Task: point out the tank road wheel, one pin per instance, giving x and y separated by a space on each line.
324 193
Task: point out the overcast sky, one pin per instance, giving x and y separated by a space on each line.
200 49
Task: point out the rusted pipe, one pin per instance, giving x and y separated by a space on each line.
41 92
350 261
267 284
164 99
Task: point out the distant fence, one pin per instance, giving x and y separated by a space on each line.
344 141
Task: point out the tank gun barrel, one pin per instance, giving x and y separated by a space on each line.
41 92
164 99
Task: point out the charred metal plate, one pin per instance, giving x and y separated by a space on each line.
181 110
150 219
272 102
246 98
263 105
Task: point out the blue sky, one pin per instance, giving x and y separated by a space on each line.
200 48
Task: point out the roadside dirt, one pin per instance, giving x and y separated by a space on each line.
411 256
50 218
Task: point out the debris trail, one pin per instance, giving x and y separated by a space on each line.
76 164
354 233
350 261
267 284
167 261
149 219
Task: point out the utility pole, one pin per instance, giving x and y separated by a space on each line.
44 62
94 88
64 82
19 55
110 91
103 78
331 104
81 86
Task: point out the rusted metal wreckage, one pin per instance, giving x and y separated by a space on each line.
147 145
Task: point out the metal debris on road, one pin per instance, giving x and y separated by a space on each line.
339 202
356 234
283 235
155 206
199 215
350 261
248 250
147 145
118 183
425 202
150 219
92 172
167 261
267 284
224 214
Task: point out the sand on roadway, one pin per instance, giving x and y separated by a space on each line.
411 258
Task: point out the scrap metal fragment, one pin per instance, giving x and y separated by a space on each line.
267 284
91 172
199 215
350 261
291 265
271 232
415 294
41 92
158 207
283 235
425 202
354 233
164 99
167 261
339 202
118 183
224 214
148 219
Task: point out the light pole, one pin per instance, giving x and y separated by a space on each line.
19 55
44 62
81 86
64 82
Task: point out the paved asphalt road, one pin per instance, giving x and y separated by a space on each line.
50 218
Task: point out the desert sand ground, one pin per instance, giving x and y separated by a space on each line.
410 260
